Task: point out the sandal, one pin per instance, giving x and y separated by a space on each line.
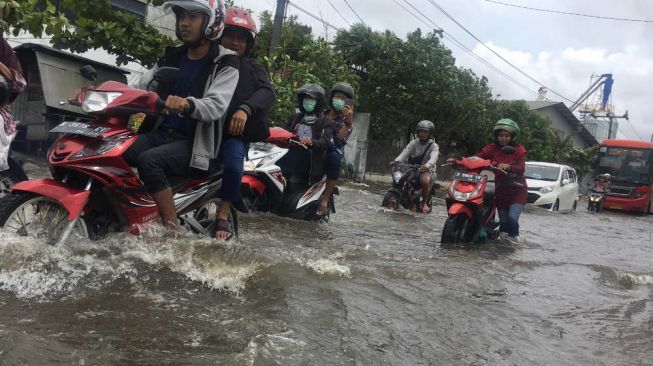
322 210
223 225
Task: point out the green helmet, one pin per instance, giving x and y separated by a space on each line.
507 124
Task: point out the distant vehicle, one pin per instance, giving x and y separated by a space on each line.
552 186
630 165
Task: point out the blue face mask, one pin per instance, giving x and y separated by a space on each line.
338 104
309 104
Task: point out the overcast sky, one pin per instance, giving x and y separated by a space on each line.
561 51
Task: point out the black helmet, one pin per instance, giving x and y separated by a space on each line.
427 126
344 88
313 91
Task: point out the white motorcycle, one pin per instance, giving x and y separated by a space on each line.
265 186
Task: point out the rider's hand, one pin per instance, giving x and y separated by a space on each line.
423 168
307 141
503 166
237 124
451 160
392 163
348 113
175 104
74 96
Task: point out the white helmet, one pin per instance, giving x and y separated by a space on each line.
213 8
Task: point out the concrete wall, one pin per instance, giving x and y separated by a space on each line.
356 148
560 124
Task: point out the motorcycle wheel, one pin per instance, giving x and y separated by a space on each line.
29 215
455 229
391 201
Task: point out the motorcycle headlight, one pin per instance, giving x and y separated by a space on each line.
95 101
546 190
99 147
397 176
464 196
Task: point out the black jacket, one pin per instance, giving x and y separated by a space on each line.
254 95
322 137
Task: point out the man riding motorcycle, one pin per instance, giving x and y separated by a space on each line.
189 138
422 151
248 116
315 131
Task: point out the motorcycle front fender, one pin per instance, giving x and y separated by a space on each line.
459 208
72 199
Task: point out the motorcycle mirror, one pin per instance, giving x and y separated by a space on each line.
508 149
88 72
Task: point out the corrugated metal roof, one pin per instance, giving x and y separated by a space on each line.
43 48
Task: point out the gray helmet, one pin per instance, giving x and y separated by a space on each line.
313 91
427 126
344 88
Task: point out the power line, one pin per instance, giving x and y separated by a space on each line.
312 16
493 51
339 13
462 46
634 129
570 13
355 13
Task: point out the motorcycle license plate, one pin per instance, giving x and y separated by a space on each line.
79 128
466 177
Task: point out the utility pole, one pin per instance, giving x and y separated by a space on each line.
277 26
612 117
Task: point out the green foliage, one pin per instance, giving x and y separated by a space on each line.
81 25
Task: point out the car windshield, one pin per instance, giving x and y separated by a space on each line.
542 172
626 164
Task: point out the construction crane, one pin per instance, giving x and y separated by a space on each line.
601 100
597 104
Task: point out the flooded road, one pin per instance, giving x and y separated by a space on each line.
371 287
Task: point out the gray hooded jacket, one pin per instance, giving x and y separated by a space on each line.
210 110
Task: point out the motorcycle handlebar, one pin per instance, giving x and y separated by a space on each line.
298 143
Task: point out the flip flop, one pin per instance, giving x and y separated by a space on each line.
322 210
224 225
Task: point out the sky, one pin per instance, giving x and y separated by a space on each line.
560 51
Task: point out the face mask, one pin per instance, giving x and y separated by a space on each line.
338 104
309 104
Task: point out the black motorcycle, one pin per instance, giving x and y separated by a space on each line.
595 199
406 189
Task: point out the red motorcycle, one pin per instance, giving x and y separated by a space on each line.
470 203
94 190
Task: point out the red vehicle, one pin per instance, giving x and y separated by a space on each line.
470 203
630 165
94 190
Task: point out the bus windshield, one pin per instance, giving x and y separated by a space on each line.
627 165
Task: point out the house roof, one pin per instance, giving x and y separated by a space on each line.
589 139
51 50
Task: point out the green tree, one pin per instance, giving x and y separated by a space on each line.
81 25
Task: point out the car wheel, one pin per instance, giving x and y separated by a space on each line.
556 206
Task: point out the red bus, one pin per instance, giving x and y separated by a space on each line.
630 163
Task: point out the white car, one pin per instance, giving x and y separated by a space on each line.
552 186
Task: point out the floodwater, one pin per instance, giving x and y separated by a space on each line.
371 287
